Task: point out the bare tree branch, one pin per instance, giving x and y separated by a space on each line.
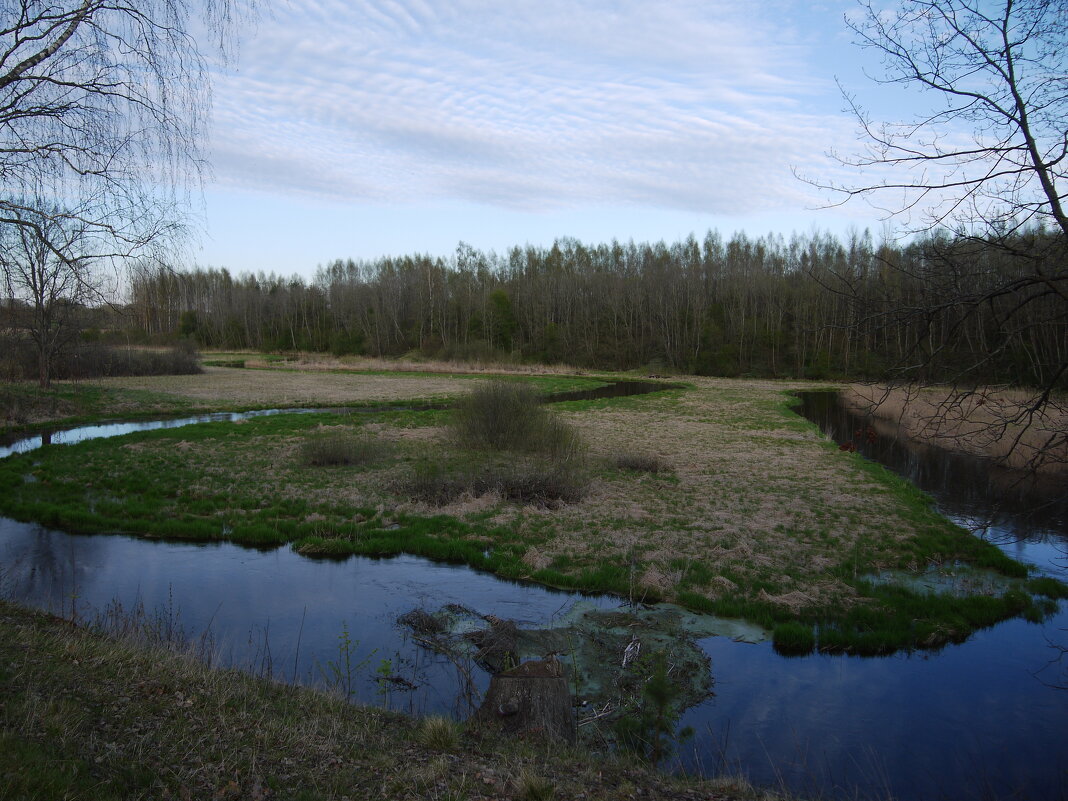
103 106
984 162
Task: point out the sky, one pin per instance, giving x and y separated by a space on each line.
364 128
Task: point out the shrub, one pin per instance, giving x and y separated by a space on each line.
432 484
540 483
508 416
92 360
334 450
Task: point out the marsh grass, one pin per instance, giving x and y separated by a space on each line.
793 639
760 519
538 482
24 402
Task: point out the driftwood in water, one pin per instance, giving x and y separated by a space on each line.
530 699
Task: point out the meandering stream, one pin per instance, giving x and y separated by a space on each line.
972 720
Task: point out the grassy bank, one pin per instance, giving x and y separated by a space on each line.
24 406
87 717
715 496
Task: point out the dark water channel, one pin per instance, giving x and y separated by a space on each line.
1005 506
975 720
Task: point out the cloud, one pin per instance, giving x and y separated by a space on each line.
531 105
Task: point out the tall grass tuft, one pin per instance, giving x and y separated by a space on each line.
793 639
530 786
341 449
438 734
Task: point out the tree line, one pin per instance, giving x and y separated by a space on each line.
813 306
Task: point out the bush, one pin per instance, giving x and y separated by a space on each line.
540 483
432 484
525 454
508 416
335 450
96 360
475 352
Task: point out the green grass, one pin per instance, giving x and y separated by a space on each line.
793 639
251 483
23 405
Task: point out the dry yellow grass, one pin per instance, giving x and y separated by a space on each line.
292 388
754 495
319 361
755 503
747 500
1002 425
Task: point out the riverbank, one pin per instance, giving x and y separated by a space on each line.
748 513
90 717
1008 427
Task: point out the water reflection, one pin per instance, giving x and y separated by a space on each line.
258 605
950 724
975 720
1003 505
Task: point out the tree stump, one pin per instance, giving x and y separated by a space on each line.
496 645
531 699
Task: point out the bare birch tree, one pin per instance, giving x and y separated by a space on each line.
103 107
982 170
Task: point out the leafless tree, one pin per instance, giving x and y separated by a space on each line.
981 169
55 288
103 106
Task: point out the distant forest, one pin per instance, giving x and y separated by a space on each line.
812 306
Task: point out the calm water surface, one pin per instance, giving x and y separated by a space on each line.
975 720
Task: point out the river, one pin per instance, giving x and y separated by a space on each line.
975 720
